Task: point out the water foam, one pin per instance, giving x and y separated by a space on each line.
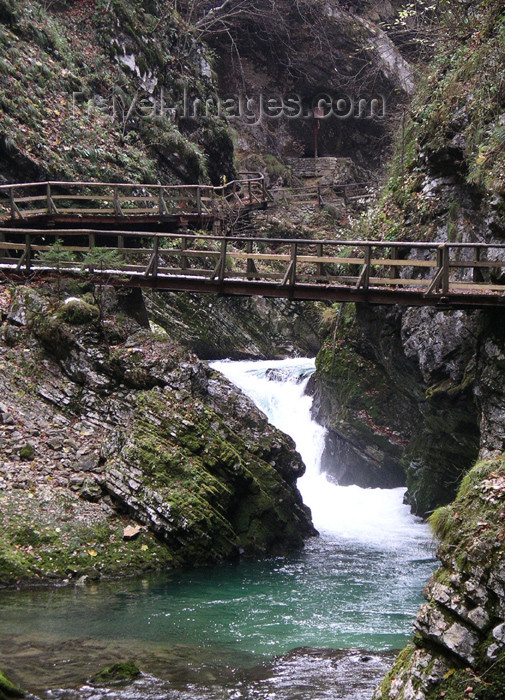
374 517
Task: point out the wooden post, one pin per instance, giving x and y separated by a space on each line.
184 247
445 268
28 249
477 272
250 191
49 201
251 267
155 255
117 208
213 201
294 252
199 201
13 203
393 272
319 266
368 257
222 268
346 201
163 211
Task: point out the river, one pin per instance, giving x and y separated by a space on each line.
292 627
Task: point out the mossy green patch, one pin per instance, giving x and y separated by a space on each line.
40 541
398 669
27 452
216 493
77 312
117 673
8 690
453 129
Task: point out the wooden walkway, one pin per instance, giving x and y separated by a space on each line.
450 275
86 203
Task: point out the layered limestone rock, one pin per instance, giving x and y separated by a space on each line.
459 642
366 420
237 327
103 422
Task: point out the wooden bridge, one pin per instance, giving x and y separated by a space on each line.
130 204
447 275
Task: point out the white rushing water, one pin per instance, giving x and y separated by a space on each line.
375 517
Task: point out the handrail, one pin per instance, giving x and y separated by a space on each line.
274 241
442 272
123 199
259 177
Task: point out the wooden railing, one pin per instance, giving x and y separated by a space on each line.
22 201
325 193
472 273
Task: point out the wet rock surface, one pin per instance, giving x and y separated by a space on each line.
189 673
237 328
459 641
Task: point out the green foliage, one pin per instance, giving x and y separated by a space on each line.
452 128
27 452
473 526
57 254
120 672
442 522
99 258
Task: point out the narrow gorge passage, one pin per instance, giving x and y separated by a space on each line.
388 552
316 624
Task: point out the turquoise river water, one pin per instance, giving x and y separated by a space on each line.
292 627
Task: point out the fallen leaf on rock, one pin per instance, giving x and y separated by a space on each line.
131 531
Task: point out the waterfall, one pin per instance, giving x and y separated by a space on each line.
375 517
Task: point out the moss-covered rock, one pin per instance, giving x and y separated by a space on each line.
208 474
8 690
144 421
27 452
76 312
459 649
355 401
121 672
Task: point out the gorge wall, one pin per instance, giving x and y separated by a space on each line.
436 373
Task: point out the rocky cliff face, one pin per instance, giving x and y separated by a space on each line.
104 423
105 83
311 49
441 370
423 389
237 327
459 642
